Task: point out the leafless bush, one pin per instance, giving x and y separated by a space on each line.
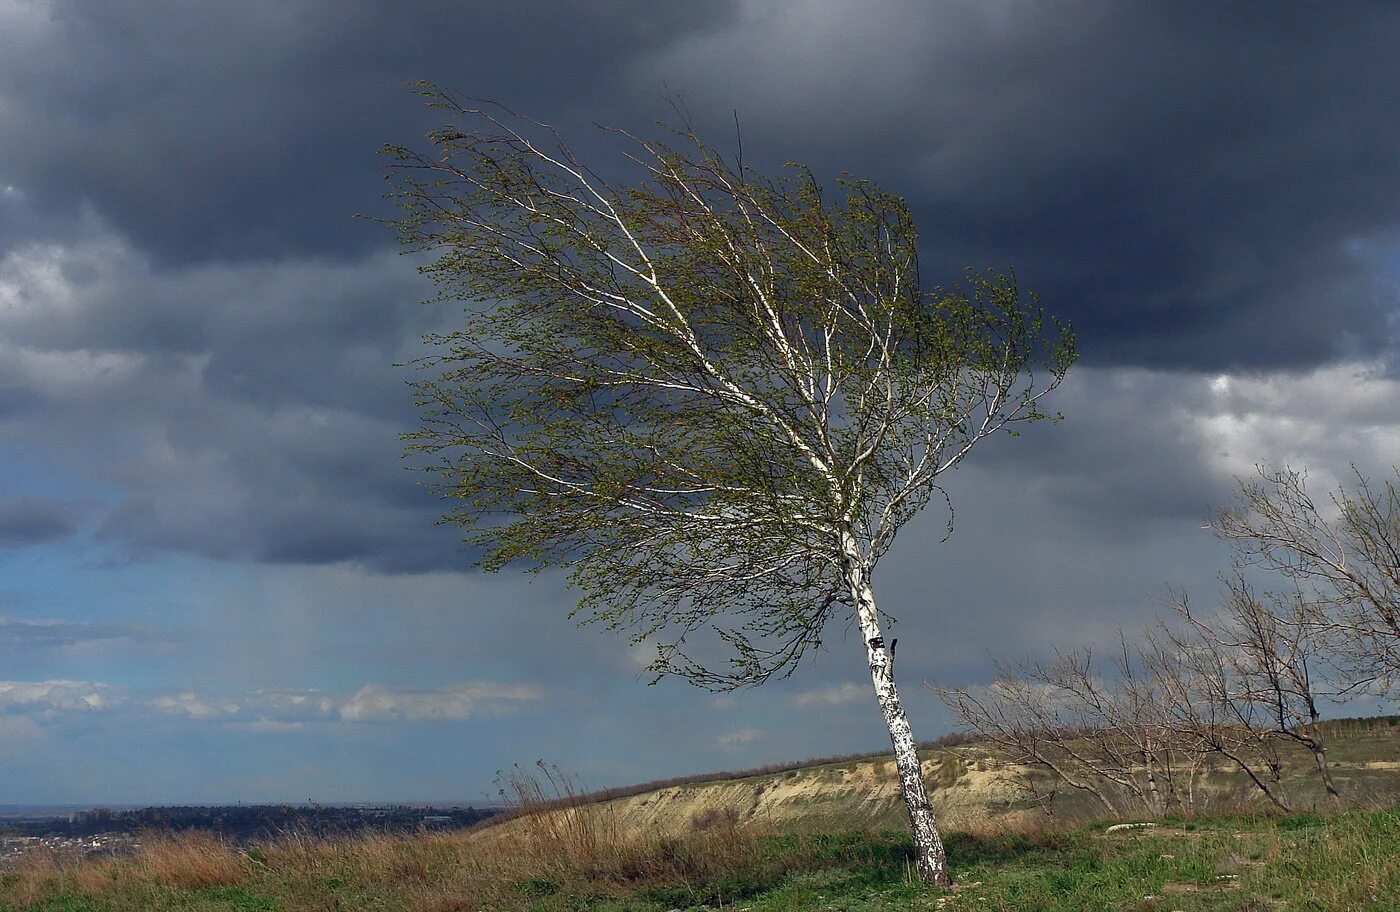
1272 651
1208 714
1107 736
1340 557
1138 730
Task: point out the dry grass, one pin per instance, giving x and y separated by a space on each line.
185 861
556 840
560 848
192 860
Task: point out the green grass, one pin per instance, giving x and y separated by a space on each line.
1341 863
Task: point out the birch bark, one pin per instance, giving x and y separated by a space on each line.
931 861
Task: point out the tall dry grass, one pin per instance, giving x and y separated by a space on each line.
557 838
556 855
190 860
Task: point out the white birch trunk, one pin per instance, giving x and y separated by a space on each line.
930 860
1154 797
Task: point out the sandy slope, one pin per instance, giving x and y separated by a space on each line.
974 788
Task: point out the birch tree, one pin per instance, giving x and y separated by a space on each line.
712 397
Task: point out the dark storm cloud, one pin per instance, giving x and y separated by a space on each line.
247 414
1195 186
1128 454
33 521
197 350
1186 181
248 129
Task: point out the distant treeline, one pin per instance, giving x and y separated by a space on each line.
247 822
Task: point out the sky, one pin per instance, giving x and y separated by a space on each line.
219 580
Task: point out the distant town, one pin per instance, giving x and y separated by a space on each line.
91 832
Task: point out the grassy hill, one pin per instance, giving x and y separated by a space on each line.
1343 863
975 787
823 838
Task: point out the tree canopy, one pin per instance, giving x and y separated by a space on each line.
704 393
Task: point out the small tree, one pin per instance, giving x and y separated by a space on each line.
1211 714
1101 730
1342 556
713 397
1146 724
1274 647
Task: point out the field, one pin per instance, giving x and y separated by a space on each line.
1304 862
824 838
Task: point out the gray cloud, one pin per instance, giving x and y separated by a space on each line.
34 520
257 410
1165 175
1187 181
249 130
198 340
54 633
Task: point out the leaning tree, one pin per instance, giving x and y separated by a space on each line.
713 397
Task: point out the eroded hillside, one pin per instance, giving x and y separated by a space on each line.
974 787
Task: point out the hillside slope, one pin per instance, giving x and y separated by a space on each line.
974 787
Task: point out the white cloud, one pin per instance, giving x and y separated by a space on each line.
1323 419
835 695
742 736
275 710
288 710
194 706
373 703
294 705
55 696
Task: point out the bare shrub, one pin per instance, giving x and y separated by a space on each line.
1341 557
1106 736
1210 715
1275 651
1139 730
